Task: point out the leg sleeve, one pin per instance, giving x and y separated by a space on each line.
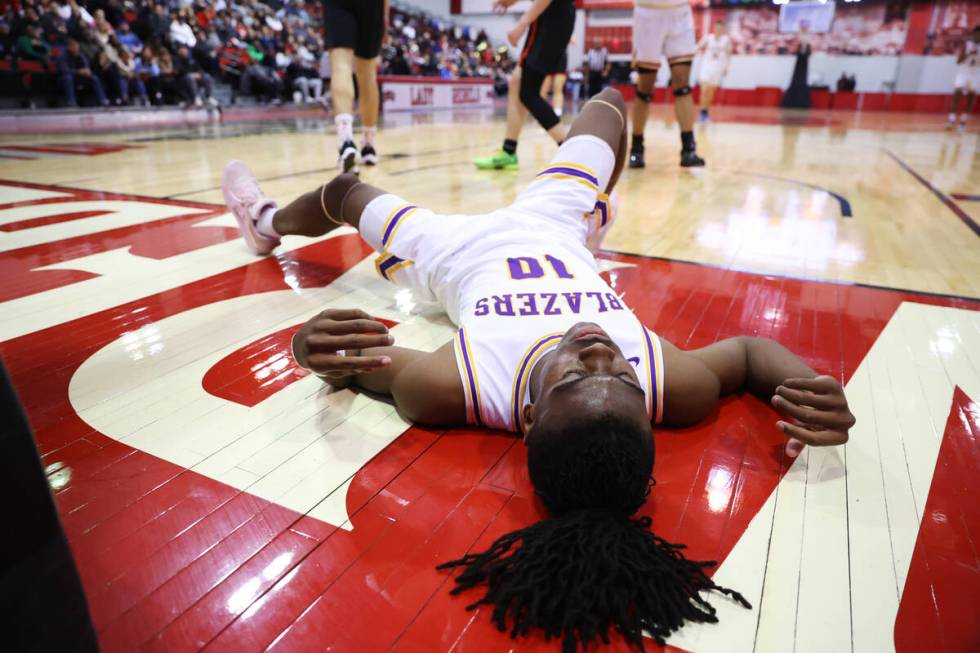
531 81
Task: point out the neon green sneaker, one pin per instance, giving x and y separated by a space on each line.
499 161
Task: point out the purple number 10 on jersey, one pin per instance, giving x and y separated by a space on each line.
529 267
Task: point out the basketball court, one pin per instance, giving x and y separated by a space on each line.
219 498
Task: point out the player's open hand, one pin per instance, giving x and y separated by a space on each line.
819 410
500 7
330 345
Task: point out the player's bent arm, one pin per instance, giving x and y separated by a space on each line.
346 347
694 380
426 387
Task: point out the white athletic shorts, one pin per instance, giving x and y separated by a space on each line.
434 254
711 72
967 78
662 33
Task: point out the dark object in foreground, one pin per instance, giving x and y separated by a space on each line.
42 605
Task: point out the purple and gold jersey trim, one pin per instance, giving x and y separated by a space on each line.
684 58
655 376
531 356
602 209
394 221
572 171
388 264
471 386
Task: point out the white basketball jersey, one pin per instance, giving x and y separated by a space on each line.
972 59
716 48
516 306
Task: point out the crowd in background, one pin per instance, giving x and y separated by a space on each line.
172 51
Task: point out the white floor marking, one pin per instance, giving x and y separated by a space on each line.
297 448
811 593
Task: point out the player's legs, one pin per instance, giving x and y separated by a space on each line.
570 195
680 75
558 92
367 84
707 97
506 158
604 116
342 96
646 78
342 200
954 108
971 96
530 94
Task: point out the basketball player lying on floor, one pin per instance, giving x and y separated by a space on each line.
547 349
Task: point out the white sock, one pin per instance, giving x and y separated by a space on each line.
345 127
264 223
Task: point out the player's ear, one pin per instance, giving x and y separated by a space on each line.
528 419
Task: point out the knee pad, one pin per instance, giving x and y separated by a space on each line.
644 97
681 91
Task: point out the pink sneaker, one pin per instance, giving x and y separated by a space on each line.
245 200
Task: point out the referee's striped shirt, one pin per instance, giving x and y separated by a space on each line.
597 58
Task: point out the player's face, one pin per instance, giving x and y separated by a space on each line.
585 376
719 29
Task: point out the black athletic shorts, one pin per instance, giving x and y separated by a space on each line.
355 24
547 40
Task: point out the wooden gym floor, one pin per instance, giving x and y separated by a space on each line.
218 498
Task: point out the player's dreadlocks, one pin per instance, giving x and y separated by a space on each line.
591 566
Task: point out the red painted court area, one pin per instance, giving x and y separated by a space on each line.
174 560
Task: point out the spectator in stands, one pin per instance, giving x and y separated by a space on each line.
158 24
169 88
260 82
103 30
205 53
8 44
128 38
304 80
181 32
128 81
75 72
197 86
53 25
31 46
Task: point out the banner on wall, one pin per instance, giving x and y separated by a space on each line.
862 30
411 93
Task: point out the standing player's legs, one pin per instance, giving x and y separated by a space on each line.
968 109
530 94
342 95
367 83
558 92
680 75
707 97
352 30
954 108
646 77
506 158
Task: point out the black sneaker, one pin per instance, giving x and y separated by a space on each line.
368 156
690 159
636 158
347 162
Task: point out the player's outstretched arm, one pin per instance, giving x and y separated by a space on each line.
815 405
347 347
